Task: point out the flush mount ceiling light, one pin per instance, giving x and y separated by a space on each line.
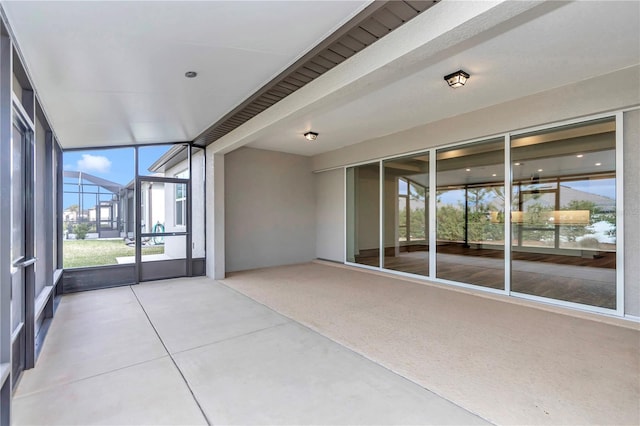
190 74
311 136
457 79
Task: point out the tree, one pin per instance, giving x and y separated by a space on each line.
477 197
450 223
417 224
571 232
582 205
536 215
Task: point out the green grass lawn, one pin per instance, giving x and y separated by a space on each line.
79 253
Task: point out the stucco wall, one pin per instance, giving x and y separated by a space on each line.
198 209
632 212
270 209
330 215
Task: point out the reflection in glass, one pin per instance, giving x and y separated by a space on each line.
406 201
564 214
470 214
363 214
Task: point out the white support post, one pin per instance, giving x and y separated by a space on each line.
215 216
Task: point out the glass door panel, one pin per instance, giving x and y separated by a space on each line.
470 214
363 214
406 212
564 218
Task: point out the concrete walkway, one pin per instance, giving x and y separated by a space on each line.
192 351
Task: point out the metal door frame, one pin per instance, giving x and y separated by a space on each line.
26 335
164 268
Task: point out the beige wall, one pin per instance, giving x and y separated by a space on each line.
270 209
632 212
330 215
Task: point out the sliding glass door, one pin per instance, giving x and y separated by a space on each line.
534 214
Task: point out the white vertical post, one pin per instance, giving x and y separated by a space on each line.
432 213
507 212
619 214
381 212
345 215
215 216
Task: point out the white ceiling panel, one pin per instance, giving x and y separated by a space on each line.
111 73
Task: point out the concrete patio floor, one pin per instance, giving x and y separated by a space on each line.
509 360
193 351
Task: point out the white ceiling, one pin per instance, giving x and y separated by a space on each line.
549 46
112 73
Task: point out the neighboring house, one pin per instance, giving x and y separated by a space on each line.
70 215
174 164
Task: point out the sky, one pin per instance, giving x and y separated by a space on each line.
115 165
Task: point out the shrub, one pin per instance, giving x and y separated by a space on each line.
81 230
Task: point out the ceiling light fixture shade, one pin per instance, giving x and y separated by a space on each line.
457 79
190 74
311 136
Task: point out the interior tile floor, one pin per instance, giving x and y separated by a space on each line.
194 351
